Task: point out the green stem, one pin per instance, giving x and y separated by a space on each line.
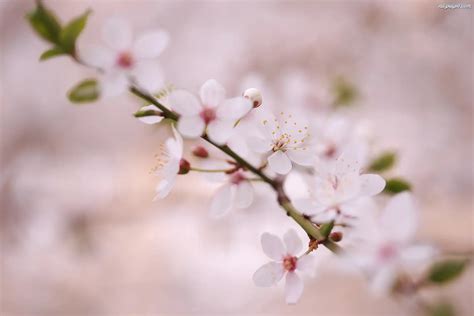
209 170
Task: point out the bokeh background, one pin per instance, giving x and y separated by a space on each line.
79 232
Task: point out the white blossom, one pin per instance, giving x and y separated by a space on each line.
236 191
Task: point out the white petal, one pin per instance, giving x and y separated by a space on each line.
117 34
222 201
98 56
113 84
152 119
371 184
325 216
383 279
212 93
279 162
417 255
348 161
272 246
302 157
234 109
305 263
150 44
293 288
176 150
148 75
244 194
163 188
268 274
308 206
292 242
259 145
399 219
191 126
184 103
220 131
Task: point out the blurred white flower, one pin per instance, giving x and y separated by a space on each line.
337 187
284 141
169 161
285 261
214 115
124 59
387 248
150 119
236 191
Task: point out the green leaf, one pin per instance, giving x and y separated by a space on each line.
445 271
85 91
53 52
45 23
396 185
345 93
327 228
383 162
71 32
442 309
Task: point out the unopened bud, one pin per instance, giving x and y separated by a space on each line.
253 95
184 166
200 151
336 236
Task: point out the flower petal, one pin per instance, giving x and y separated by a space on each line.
399 219
259 145
292 242
164 188
148 75
383 279
234 109
212 93
305 263
371 184
244 194
272 246
222 201
416 255
98 56
293 288
152 119
117 34
308 206
220 131
302 157
191 126
324 216
113 84
348 161
184 103
268 274
150 44
279 162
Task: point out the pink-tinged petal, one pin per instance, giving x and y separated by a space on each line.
148 75
399 219
272 246
383 280
152 119
222 201
117 34
98 56
416 255
279 162
293 288
220 131
259 145
371 184
305 263
234 109
325 216
302 157
268 274
292 242
184 103
150 44
348 162
113 84
212 93
176 149
191 126
244 194
308 206
163 188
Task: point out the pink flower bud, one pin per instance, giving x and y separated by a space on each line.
253 95
184 166
200 151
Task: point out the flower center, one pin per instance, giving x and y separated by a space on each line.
289 263
125 60
281 142
237 177
387 252
208 115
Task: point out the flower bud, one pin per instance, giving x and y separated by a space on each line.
253 95
200 151
336 236
184 166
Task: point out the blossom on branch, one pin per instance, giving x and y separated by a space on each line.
236 191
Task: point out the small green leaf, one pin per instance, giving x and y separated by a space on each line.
53 52
445 271
345 93
71 32
45 23
383 162
85 91
396 185
327 228
442 309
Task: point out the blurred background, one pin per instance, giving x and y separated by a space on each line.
80 234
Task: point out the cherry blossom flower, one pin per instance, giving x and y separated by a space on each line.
214 115
338 187
237 191
387 248
284 141
124 59
169 163
286 261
